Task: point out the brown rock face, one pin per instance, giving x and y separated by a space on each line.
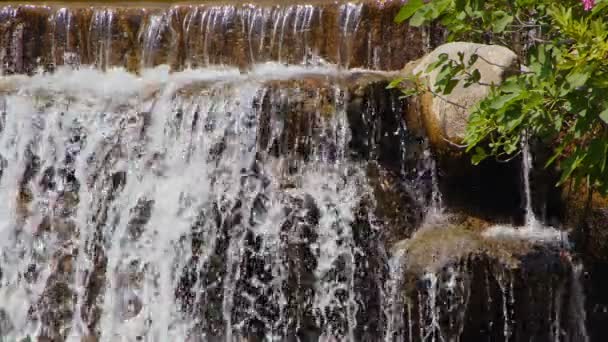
587 214
194 35
299 120
459 285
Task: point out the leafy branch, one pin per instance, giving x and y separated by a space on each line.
562 96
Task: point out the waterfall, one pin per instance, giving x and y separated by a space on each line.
231 172
533 229
167 206
577 307
194 35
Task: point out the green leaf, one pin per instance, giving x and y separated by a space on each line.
475 76
500 21
445 74
473 59
596 153
604 115
460 5
395 83
499 102
569 165
475 6
418 18
437 8
558 152
511 85
577 78
451 84
442 58
599 6
479 156
408 10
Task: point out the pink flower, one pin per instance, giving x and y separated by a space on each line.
588 4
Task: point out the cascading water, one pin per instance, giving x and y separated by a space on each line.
533 228
201 204
224 172
199 35
526 159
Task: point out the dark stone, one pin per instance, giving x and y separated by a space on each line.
491 190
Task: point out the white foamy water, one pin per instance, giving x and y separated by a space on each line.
177 206
209 204
538 234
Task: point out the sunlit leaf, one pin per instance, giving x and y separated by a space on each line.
604 115
395 83
500 21
408 10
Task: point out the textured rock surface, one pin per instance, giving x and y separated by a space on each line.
587 215
213 33
297 121
280 243
459 285
446 115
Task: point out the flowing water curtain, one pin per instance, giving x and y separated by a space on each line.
155 210
350 34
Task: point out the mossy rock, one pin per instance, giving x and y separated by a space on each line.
435 247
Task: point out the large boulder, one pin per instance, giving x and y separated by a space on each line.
446 116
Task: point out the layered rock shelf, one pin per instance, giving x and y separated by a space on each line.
354 35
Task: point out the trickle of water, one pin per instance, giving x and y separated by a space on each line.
395 306
533 229
436 209
101 33
505 282
530 217
577 304
152 34
350 17
430 329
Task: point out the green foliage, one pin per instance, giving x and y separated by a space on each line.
561 97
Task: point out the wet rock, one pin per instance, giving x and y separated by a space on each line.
129 304
595 283
6 326
587 214
55 309
446 116
433 248
224 33
474 189
458 284
399 210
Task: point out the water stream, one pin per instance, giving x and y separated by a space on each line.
232 172
205 203
533 228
